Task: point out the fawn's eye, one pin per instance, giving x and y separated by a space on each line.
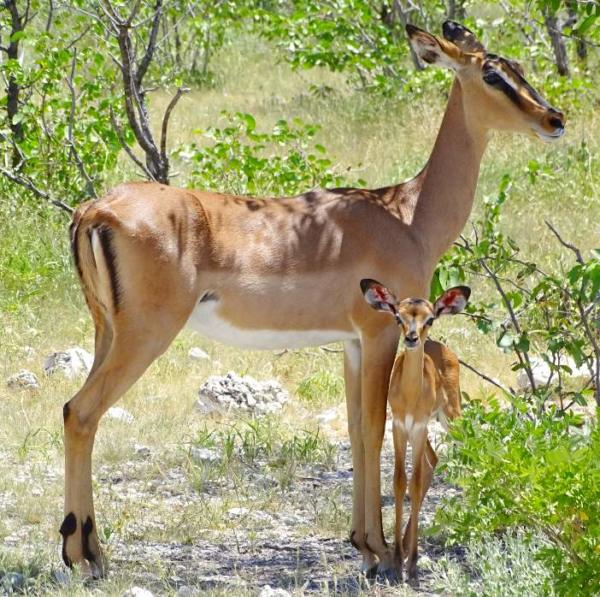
429 321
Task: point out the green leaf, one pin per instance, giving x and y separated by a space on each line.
586 24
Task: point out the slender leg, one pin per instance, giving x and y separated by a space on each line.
400 483
418 442
129 356
352 361
378 354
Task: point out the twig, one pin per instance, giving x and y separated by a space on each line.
29 184
165 122
486 378
89 183
126 147
564 243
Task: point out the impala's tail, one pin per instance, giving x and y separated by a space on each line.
94 255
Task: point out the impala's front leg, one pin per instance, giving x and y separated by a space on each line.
418 444
352 379
400 484
378 352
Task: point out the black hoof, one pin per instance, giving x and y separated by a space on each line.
371 573
389 576
67 528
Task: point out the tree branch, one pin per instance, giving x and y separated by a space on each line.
165 122
30 185
89 184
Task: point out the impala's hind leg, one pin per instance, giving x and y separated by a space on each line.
131 351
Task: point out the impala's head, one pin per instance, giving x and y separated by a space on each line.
414 316
495 92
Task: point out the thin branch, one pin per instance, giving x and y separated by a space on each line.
30 185
564 243
151 47
487 378
165 122
126 147
89 183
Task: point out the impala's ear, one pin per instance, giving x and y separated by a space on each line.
453 301
433 50
378 296
462 37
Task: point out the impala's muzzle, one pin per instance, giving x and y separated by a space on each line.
411 341
552 125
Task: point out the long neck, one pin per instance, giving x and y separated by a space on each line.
449 180
411 383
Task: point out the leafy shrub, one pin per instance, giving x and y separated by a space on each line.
539 474
532 311
491 565
342 35
242 160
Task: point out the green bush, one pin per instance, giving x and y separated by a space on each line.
539 474
242 160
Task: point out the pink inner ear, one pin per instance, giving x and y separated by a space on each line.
450 298
380 293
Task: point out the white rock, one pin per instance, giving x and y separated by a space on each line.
142 451
120 414
71 362
138 592
268 591
198 354
237 512
540 370
23 380
576 372
205 455
231 392
327 416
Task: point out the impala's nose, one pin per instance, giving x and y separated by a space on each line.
411 340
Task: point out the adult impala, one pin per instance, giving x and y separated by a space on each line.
275 273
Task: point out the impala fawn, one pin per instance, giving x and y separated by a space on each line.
424 383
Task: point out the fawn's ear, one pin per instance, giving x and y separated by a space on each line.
378 296
453 301
435 50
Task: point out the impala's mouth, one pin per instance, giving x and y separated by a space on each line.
549 137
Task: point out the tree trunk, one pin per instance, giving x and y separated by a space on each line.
558 43
456 10
13 89
402 16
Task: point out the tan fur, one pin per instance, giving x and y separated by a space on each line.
275 264
424 382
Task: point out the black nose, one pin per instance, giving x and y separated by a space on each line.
555 122
411 340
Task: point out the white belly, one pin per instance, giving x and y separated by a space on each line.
205 320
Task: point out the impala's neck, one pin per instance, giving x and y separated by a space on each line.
449 180
411 383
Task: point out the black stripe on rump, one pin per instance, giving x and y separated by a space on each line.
75 249
105 235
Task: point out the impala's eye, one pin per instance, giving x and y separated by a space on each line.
491 77
430 321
